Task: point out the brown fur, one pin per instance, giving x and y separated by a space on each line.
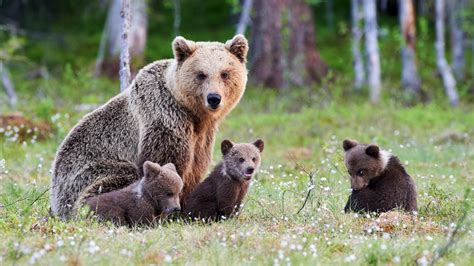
164 116
143 202
221 194
379 181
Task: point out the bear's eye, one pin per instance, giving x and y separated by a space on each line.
361 173
224 75
169 194
201 76
254 159
241 160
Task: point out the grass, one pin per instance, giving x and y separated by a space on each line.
434 141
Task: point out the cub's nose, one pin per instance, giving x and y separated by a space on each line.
214 100
249 170
177 209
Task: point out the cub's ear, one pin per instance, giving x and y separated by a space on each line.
171 167
239 47
151 169
226 145
259 144
373 151
182 48
348 144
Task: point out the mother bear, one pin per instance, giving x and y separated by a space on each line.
169 114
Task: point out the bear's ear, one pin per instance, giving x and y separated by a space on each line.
226 145
348 144
373 151
151 169
259 144
171 167
183 48
239 47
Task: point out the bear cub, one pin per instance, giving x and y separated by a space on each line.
221 193
153 197
379 181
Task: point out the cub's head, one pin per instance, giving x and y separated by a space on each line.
209 77
162 185
363 162
242 160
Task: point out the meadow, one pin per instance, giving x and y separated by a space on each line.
303 156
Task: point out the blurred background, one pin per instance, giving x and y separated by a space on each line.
410 51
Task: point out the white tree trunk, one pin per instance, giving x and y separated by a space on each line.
8 84
177 17
410 78
124 72
244 17
372 50
457 37
359 72
443 67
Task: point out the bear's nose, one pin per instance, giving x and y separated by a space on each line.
177 209
249 170
213 100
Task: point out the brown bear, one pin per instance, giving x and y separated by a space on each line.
170 113
221 193
379 181
143 202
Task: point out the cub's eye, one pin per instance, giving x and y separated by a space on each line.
361 173
241 160
254 159
224 75
169 194
201 76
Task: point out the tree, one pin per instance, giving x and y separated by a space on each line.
8 84
359 72
244 17
283 44
457 37
124 54
372 50
410 78
177 16
443 67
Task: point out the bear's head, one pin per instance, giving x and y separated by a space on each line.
242 160
363 162
208 77
162 186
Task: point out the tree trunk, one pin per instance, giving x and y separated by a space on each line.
244 17
283 44
330 13
372 50
124 54
8 84
410 78
110 45
443 67
177 17
359 72
457 37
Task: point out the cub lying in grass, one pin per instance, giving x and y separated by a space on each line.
143 202
379 181
221 194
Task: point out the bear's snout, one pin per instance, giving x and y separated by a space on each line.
214 100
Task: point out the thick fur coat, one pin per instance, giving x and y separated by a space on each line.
143 202
221 193
379 181
169 114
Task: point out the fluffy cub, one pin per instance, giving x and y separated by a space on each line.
221 193
141 203
379 181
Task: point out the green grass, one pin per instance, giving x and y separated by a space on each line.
300 130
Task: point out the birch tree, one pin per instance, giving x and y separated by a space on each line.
356 15
177 16
457 37
372 50
443 67
8 84
410 78
124 72
244 17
